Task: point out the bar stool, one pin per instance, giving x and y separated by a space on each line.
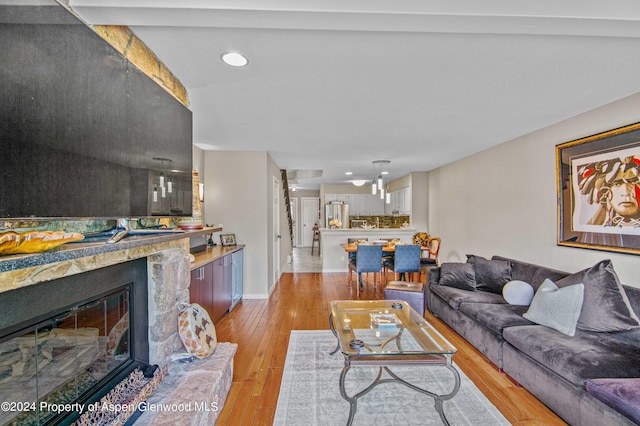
316 238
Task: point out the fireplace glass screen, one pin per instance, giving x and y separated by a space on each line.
64 358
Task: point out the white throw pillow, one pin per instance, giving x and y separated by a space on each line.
518 292
557 308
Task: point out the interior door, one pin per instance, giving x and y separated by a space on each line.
310 216
294 220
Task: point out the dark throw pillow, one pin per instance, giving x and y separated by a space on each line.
491 275
458 275
606 306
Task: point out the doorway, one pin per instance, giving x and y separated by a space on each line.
276 232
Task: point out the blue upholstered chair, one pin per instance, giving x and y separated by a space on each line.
368 259
406 260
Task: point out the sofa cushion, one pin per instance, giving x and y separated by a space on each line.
621 394
586 355
491 275
533 274
455 296
495 317
458 275
558 308
606 305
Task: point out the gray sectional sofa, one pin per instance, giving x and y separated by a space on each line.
553 366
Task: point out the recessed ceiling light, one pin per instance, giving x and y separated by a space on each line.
348 173
234 59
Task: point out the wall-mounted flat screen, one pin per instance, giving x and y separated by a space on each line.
83 132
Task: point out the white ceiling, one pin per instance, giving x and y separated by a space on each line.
337 84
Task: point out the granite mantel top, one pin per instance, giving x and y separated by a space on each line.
83 249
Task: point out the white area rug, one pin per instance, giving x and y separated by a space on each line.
310 391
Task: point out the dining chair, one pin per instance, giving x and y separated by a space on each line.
406 260
429 257
368 259
352 255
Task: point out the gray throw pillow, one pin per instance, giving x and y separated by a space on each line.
491 275
458 275
606 306
557 308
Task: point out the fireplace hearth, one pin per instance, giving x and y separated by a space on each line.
65 343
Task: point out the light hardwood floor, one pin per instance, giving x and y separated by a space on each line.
300 301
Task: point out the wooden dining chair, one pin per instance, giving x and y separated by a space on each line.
429 257
433 248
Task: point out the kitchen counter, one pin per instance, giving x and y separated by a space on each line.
213 253
334 258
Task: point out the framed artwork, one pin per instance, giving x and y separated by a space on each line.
599 191
228 239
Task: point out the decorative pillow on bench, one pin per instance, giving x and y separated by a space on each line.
491 275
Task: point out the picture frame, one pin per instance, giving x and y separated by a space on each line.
228 240
598 190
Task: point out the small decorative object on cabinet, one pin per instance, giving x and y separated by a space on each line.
228 240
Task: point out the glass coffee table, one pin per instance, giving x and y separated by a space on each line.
384 334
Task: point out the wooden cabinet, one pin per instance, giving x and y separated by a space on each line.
201 289
212 282
221 287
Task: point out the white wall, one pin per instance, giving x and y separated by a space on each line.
420 201
237 191
239 195
503 200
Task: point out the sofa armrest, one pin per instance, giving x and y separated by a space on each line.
433 277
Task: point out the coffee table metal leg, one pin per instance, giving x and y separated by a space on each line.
353 400
335 333
439 399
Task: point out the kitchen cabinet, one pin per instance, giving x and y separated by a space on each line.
400 202
217 280
358 204
376 205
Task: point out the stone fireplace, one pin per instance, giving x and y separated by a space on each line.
75 322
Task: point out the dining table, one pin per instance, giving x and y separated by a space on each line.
388 247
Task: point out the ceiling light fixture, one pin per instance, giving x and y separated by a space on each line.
359 182
380 167
234 59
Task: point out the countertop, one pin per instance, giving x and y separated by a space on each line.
213 253
84 249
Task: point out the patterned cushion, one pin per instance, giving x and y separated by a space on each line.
196 330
